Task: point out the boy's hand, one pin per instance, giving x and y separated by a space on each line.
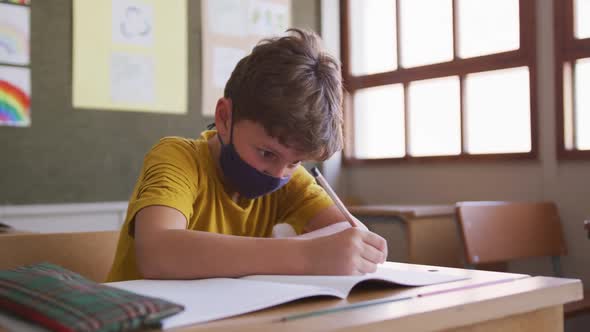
351 251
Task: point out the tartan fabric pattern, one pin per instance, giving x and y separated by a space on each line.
62 300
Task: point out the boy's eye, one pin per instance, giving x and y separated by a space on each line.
266 154
294 165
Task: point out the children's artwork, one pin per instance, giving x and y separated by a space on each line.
230 29
226 59
15 97
227 17
132 78
267 18
130 55
14 34
133 23
18 2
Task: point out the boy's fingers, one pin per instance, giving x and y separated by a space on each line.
371 254
366 266
375 240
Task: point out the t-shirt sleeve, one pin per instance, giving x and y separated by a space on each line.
302 199
169 178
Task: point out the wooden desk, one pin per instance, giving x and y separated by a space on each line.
429 232
523 303
7 229
493 302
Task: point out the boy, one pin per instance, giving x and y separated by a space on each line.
206 207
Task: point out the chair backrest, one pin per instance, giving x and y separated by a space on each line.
89 253
496 232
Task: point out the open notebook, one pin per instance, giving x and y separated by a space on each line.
216 298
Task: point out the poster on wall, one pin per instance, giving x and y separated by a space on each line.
15 76
14 34
230 29
130 55
15 96
17 2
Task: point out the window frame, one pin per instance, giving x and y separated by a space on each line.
567 49
525 56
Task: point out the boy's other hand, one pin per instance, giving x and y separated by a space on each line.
325 231
353 251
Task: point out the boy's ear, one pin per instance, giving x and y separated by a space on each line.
223 117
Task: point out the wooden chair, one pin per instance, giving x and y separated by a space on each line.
499 232
89 253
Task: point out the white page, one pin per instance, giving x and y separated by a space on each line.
345 283
209 299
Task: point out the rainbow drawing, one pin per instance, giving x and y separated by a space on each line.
15 105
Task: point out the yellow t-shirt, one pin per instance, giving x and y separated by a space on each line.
181 173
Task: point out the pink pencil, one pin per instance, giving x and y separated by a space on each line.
324 183
481 284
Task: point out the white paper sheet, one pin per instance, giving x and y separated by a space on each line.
216 298
344 284
14 34
132 78
210 299
133 23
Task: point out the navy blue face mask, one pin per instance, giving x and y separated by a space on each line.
247 180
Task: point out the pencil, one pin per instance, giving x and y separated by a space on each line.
324 183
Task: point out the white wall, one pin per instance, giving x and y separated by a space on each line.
64 218
330 32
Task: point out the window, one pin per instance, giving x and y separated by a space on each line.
438 79
572 55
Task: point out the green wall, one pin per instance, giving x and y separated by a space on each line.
70 155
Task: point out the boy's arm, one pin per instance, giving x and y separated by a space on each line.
166 250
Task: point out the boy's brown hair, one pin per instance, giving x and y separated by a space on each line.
293 88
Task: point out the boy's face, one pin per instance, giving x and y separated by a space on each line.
262 151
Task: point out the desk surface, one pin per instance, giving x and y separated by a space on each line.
403 210
489 296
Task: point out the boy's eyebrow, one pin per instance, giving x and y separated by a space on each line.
275 151
271 149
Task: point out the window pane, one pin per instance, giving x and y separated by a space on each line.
372 36
487 26
379 122
497 111
426 32
434 121
568 106
582 104
582 17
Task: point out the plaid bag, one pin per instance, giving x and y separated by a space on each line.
62 300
